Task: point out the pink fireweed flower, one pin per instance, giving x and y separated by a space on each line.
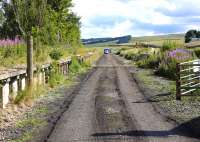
179 55
9 42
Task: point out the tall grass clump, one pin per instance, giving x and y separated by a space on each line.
169 45
197 52
12 55
152 61
56 54
75 66
56 78
24 96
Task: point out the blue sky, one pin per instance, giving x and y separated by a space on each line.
110 18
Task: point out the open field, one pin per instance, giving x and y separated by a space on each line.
158 40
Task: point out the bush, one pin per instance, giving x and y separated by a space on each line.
197 52
118 52
56 78
167 69
167 66
75 66
56 54
150 62
130 56
168 45
191 34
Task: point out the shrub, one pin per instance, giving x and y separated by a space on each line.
167 66
56 78
75 66
130 56
150 62
56 54
197 52
167 69
168 45
118 52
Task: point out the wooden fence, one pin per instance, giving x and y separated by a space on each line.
188 78
13 81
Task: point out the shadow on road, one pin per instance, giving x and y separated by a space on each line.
181 130
151 100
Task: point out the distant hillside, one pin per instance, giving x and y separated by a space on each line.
105 41
159 39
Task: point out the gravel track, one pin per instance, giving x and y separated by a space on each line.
110 107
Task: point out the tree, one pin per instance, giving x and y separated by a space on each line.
72 32
1 13
8 27
190 34
29 16
67 23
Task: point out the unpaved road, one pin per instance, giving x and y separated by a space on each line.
110 107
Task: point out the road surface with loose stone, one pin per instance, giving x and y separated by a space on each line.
110 107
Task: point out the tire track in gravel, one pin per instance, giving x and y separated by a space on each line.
107 108
112 117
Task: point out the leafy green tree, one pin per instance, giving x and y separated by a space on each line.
190 34
67 23
8 27
30 17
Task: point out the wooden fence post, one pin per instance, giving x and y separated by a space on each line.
178 82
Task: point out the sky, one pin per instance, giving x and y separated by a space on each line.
111 18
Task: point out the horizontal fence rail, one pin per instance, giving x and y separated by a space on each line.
12 81
188 78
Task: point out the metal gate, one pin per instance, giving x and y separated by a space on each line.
188 78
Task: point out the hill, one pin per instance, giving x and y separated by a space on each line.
106 41
159 39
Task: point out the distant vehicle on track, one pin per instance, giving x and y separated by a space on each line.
107 51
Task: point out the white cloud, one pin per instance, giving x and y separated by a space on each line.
158 13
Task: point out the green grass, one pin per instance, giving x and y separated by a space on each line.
181 111
25 138
30 122
41 110
160 39
16 55
152 81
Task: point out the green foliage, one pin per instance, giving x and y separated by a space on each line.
29 14
56 54
150 62
191 34
30 123
41 55
8 27
118 52
27 136
12 55
168 45
56 78
167 69
20 97
49 22
23 96
75 66
197 52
